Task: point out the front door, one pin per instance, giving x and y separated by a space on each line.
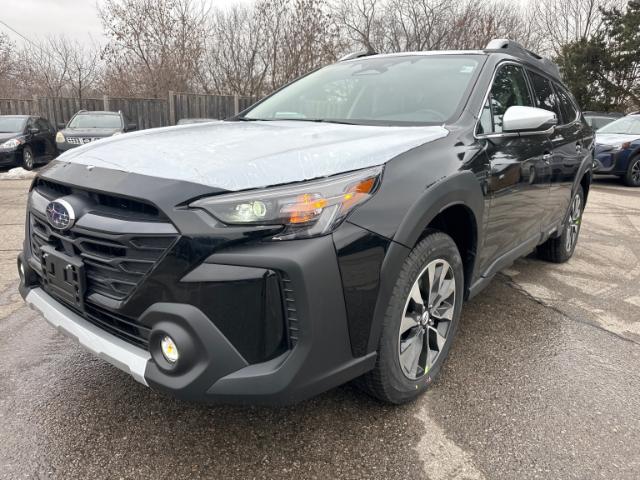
518 181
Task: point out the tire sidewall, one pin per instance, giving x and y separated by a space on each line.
628 178
435 246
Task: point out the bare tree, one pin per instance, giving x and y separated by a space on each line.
85 68
7 66
156 45
362 23
44 66
564 21
234 60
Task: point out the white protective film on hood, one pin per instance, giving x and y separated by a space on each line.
615 138
243 155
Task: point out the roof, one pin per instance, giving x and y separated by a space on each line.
16 116
97 112
501 45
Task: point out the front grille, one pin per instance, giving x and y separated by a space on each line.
290 310
114 263
106 204
81 140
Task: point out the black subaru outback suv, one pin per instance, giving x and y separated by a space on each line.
332 231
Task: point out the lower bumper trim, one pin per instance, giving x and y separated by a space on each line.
117 352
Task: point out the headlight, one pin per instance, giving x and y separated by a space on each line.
60 137
305 210
622 146
13 143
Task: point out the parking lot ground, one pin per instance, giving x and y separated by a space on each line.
542 382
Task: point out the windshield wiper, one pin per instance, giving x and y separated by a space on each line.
318 120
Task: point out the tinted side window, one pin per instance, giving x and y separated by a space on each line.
509 89
42 125
545 96
569 112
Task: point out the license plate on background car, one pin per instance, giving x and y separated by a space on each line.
64 276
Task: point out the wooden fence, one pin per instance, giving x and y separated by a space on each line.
145 112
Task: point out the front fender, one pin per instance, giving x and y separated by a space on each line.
462 188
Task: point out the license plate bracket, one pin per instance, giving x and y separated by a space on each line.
64 276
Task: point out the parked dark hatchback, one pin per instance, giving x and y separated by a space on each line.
89 126
330 232
26 141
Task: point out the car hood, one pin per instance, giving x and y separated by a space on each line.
243 155
89 132
8 136
614 138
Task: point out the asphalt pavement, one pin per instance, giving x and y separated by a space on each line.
542 382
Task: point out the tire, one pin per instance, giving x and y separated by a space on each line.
632 177
561 248
28 160
396 378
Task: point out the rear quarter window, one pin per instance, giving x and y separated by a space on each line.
546 96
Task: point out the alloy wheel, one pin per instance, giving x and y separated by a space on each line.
635 172
573 225
427 319
28 159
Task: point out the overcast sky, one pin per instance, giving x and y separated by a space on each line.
76 18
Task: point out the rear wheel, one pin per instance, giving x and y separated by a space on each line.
420 322
28 160
632 177
561 248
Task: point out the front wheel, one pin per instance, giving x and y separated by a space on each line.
420 321
561 248
28 160
632 177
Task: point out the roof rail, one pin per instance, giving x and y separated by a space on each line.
361 53
517 50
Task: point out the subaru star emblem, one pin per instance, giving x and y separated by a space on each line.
60 214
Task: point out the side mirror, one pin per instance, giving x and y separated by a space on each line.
34 130
528 120
61 125
132 126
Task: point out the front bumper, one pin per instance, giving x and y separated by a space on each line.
608 161
64 146
115 351
9 157
317 354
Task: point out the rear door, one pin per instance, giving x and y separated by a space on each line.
518 185
567 146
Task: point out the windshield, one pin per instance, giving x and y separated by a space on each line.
404 90
598 122
95 121
626 125
12 124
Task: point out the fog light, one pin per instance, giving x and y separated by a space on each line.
169 349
